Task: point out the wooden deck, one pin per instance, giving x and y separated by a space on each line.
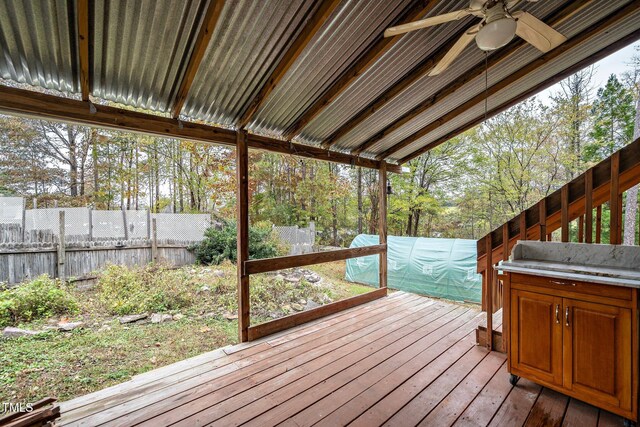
400 360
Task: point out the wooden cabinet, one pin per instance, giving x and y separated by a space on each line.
577 338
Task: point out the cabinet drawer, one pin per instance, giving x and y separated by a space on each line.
564 285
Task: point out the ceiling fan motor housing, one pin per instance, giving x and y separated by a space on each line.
498 30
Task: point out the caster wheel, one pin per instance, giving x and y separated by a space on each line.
513 380
629 423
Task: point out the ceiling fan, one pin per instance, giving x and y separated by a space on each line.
498 27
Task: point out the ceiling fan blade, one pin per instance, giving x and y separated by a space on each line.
537 33
455 50
428 22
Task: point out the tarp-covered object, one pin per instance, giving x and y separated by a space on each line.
444 268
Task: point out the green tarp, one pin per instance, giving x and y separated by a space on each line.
444 268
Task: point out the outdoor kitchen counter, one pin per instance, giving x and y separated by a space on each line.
604 264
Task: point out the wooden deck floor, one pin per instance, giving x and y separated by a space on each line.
400 360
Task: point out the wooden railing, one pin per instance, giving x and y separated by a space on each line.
576 200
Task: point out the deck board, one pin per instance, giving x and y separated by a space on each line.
401 360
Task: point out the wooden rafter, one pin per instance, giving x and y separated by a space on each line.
418 10
602 53
311 27
82 12
205 33
40 105
557 17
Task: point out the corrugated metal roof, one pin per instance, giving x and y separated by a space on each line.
345 35
249 39
37 44
550 69
137 58
140 48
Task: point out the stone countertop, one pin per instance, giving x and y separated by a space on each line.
606 264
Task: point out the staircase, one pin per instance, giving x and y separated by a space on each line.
581 200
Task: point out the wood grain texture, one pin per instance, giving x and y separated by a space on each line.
39 105
615 217
209 22
82 12
588 206
242 215
382 227
256 266
564 214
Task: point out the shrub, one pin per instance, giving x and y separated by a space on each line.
152 288
40 298
220 244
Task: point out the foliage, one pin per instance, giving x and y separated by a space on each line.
220 244
152 288
41 298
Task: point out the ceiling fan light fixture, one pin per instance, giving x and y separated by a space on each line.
496 33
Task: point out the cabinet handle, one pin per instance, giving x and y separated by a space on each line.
557 313
557 282
566 316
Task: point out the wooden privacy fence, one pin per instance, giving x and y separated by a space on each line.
575 201
20 262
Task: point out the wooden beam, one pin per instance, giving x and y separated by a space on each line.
201 43
575 41
588 206
256 266
505 241
242 212
496 58
39 105
564 213
310 29
615 218
381 46
542 209
599 224
273 326
523 225
382 231
82 11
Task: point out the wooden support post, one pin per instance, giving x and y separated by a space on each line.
615 232
542 207
382 178
564 215
61 247
24 220
242 189
149 224
505 241
523 225
488 276
588 206
581 229
154 240
125 226
599 224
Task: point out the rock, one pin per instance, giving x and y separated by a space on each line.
178 316
297 307
104 328
278 277
17 332
311 304
132 318
70 326
292 279
302 301
326 299
161 318
230 316
218 273
286 308
205 288
313 278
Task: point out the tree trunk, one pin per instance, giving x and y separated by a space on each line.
359 200
73 162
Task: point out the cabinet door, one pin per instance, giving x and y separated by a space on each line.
597 342
536 336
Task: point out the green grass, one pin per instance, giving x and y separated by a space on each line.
66 365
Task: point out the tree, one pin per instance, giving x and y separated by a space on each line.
632 80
